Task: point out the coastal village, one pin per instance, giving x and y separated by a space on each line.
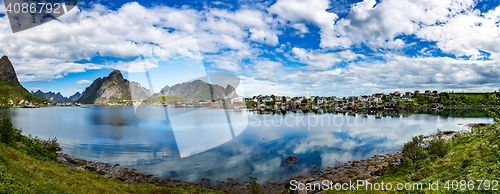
275 104
379 101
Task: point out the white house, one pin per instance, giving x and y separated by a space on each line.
237 101
363 98
406 98
267 99
322 100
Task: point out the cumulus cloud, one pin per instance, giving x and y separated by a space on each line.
300 11
399 73
467 34
322 60
254 86
377 25
130 31
83 82
248 40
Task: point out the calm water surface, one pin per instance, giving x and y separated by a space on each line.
190 144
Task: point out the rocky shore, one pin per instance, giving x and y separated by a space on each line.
365 169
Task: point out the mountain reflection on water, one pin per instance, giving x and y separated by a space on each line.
193 149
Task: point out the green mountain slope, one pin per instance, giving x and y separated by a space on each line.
10 88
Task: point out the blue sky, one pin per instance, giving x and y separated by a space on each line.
285 47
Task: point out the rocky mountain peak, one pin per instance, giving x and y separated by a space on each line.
107 89
116 74
7 72
75 97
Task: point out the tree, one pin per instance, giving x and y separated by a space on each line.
8 134
254 185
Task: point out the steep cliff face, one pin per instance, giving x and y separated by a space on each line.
89 95
111 88
51 96
7 72
199 90
10 88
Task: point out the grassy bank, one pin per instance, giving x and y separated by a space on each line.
468 162
28 165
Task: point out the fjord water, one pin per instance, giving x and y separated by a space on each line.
192 147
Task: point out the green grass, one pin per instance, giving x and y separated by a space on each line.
167 98
20 173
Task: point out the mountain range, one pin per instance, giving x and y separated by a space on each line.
10 88
198 90
107 89
114 87
57 98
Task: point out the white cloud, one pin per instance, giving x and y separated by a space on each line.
301 28
83 82
467 34
321 60
266 69
377 25
132 30
254 86
299 11
234 41
399 73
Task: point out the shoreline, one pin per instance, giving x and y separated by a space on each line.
367 169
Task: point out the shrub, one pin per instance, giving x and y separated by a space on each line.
438 146
413 149
51 145
8 134
494 112
37 148
254 185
